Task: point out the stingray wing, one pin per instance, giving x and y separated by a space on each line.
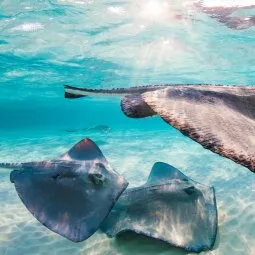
169 207
84 150
220 118
70 197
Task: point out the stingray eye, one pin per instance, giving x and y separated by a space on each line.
97 178
100 166
190 190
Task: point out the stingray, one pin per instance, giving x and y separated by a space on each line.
71 195
98 128
220 118
170 207
226 14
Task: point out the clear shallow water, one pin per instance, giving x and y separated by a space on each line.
108 44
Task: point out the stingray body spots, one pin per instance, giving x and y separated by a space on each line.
170 207
220 118
70 195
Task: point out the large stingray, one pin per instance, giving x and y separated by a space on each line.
70 195
220 118
169 207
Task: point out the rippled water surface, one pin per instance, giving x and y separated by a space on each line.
110 44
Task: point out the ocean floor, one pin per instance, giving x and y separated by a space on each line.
132 153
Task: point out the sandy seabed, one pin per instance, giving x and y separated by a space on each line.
131 153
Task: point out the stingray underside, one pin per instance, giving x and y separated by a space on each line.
73 194
220 118
169 207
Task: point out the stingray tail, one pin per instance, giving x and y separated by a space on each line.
72 92
10 165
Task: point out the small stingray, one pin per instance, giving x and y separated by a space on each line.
71 130
170 207
225 14
220 118
70 195
99 128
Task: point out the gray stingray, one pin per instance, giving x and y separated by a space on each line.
226 14
170 207
220 118
70 195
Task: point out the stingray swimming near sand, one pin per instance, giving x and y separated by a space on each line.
72 194
169 207
220 118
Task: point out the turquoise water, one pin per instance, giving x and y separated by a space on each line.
109 44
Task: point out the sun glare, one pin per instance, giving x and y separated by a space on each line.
154 10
